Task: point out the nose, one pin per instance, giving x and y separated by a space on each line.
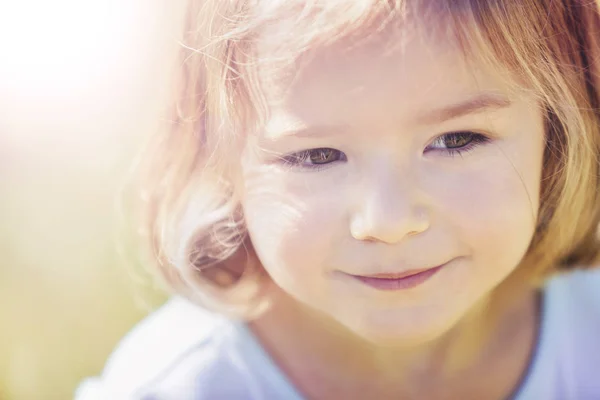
389 210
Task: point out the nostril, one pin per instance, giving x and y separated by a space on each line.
386 229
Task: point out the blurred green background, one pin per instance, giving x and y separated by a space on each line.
82 84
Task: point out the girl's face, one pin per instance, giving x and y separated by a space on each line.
376 165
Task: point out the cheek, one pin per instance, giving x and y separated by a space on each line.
493 210
293 224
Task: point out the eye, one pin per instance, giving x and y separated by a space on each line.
314 158
457 142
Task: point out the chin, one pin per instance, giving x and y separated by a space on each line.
404 332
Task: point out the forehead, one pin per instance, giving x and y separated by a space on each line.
394 73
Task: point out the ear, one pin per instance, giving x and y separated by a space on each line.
238 285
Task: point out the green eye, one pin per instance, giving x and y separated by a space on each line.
458 139
314 158
323 156
457 142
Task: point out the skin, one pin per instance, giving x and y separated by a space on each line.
393 199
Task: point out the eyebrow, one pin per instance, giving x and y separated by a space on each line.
482 103
309 131
479 104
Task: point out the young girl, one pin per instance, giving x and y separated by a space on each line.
375 200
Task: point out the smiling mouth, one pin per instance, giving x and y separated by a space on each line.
397 281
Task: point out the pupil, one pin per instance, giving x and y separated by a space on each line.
457 140
321 156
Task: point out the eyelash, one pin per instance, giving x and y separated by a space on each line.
477 140
297 159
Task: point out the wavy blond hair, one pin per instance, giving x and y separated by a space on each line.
190 204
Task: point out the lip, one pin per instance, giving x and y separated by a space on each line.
397 281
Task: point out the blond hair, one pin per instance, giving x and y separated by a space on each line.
190 201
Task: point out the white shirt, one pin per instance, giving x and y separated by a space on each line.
183 352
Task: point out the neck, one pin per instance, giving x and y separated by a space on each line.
485 353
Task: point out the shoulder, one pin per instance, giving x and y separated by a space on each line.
577 283
575 300
568 349
178 339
